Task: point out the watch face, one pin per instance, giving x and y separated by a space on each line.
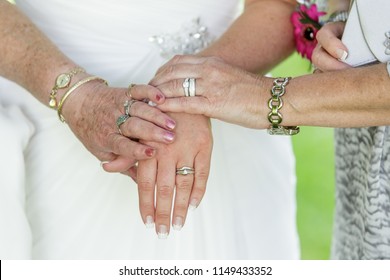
63 80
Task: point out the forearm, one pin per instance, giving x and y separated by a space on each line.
27 56
260 38
349 98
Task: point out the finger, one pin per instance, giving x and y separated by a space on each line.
202 169
329 38
190 105
137 128
122 145
120 164
180 59
146 179
177 71
141 92
152 115
176 88
183 191
164 195
325 62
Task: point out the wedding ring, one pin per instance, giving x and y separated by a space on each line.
121 120
192 88
186 87
128 92
127 106
185 170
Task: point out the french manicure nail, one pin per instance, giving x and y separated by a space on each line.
103 163
149 222
178 223
171 124
162 232
342 54
193 204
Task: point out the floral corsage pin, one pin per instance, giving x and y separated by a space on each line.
306 22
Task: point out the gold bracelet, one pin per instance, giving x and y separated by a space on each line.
73 88
275 103
62 81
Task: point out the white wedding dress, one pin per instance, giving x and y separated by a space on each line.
56 202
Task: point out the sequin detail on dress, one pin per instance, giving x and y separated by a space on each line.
190 39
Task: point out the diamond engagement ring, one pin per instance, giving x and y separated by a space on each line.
185 170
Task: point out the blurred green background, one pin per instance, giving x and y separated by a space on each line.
314 153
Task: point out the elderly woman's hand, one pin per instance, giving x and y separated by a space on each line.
222 91
92 113
330 51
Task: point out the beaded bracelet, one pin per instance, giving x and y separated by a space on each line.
275 103
73 88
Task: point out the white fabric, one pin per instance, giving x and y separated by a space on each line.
69 208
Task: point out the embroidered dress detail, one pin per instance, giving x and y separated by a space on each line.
190 39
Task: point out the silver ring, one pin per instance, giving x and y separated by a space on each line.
121 120
186 86
185 170
192 87
127 106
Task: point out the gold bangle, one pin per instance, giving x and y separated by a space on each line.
73 88
62 81
275 103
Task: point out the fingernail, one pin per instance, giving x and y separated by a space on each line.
162 232
149 152
103 163
342 54
178 223
193 204
159 97
171 124
169 136
149 222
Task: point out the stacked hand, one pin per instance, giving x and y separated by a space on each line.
159 144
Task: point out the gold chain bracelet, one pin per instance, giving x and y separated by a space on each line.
275 103
62 81
73 88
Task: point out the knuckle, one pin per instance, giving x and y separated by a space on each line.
176 84
145 185
202 175
163 215
165 191
184 185
181 207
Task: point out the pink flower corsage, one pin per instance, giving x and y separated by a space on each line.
306 22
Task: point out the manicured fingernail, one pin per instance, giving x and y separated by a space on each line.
171 124
193 204
162 232
169 136
149 222
178 223
149 152
342 54
103 163
159 97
